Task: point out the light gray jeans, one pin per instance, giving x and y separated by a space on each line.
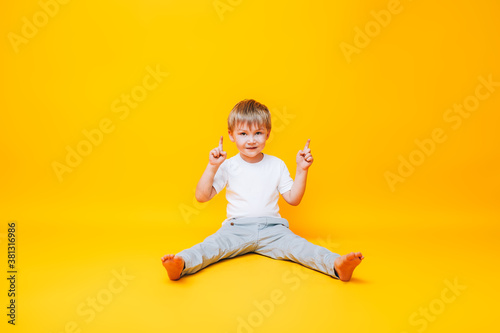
268 236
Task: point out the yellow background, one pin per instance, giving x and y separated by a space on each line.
131 199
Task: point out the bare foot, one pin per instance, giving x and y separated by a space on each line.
174 266
345 265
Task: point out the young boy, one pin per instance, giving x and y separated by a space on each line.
253 182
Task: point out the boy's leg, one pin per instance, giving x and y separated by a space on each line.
279 242
229 241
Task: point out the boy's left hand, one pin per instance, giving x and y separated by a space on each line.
304 157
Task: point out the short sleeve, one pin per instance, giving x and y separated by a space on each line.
286 181
220 178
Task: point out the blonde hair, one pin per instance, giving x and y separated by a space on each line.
249 112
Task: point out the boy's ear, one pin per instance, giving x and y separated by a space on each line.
230 135
268 134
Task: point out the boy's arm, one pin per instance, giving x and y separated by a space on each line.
294 196
205 190
304 161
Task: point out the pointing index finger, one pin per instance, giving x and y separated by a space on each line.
307 143
220 142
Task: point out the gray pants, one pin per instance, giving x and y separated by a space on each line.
268 236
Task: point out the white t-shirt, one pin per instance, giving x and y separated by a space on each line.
253 188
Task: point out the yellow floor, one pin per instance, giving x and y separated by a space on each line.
86 277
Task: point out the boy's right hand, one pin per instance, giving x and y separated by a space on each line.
217 155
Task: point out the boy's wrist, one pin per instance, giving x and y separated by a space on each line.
212 167
302 171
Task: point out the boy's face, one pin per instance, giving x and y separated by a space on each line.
250 141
